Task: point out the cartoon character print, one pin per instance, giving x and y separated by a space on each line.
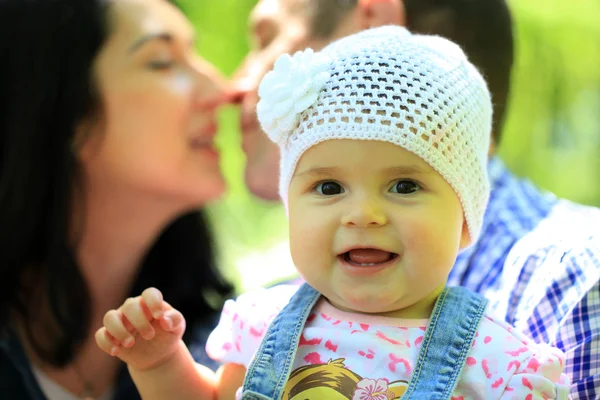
336 382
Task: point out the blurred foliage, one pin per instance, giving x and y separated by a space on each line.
553 132
552 135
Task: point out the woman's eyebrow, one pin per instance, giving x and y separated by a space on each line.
162 36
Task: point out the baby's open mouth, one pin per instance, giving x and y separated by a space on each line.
367 257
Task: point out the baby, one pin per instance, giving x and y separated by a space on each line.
384 139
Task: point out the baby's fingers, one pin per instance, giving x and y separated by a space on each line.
153 299
115 325
105 341
172 321
138 316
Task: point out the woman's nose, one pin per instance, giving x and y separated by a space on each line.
213 87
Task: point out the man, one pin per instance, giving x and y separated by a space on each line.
538 259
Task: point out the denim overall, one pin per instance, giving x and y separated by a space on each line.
447 340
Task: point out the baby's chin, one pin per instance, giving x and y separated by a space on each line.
372 304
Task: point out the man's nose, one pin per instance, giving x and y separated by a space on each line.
247 78
256 64
244 88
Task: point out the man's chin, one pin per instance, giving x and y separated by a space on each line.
262 166
263 181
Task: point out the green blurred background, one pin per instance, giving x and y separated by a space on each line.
552 135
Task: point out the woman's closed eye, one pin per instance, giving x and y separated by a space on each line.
405 186
328 188
161 64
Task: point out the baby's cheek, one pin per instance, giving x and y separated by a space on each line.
418 237
309 241
432 238
301 246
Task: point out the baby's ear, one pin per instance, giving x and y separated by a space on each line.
375 13
465 236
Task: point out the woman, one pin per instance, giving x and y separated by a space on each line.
107 120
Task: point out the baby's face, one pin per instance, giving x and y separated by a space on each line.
373 227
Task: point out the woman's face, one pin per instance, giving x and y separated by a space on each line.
154 135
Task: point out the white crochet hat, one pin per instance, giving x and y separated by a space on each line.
418 92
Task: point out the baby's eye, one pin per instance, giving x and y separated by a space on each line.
404 186
329 188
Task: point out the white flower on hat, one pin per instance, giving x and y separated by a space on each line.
290 88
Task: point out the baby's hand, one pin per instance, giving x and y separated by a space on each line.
144 332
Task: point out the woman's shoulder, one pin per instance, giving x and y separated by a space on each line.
16 379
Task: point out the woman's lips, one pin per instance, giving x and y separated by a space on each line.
198 143
205 136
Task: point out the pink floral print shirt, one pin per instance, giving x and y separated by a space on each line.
365 357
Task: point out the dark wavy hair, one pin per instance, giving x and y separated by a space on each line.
46 89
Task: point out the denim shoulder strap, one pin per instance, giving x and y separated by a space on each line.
446 343
269 371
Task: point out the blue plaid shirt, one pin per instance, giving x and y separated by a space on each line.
538 261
